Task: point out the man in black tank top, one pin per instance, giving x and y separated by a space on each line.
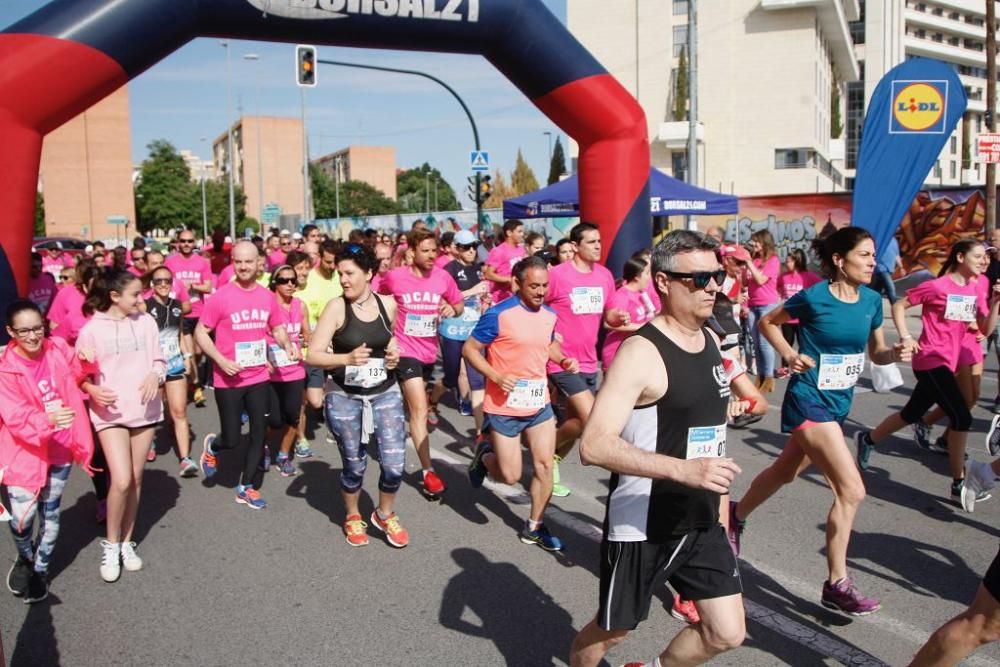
659 425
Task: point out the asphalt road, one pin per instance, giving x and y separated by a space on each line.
224 585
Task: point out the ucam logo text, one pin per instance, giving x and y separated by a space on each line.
437 10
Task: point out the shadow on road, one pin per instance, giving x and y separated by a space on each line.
319 484
36 642
498 602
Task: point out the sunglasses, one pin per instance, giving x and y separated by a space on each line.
185 240
284 281
700 279
462 248
65 279
162 281
138 258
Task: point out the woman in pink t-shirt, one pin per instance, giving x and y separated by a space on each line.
65 315
762 281
633 298
951 303
793 280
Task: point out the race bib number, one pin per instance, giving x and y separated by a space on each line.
587 300
839 371
527 395
420 326
960 308
170 345
370 375
706 442
251 354
278 356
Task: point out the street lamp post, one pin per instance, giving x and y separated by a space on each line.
204 205
336 183
229 147
427 192
549 135
260 157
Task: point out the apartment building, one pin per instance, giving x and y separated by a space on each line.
375 165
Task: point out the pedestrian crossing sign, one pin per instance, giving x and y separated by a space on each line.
479 160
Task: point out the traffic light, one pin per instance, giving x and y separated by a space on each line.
485 188
305 65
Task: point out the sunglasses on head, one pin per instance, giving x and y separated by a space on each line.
700 279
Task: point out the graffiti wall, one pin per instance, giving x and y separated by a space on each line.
793 220
935 221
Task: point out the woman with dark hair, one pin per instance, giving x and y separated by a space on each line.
534 243
762 284
837 320
564 251
951 304
365 399
43 431
633 298
65 315
124 403
795 278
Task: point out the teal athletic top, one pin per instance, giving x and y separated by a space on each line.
834 334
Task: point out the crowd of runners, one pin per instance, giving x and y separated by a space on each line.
541 347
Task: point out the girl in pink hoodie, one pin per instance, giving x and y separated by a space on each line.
125 404
43 430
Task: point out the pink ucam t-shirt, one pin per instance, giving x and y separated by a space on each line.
241 320
792 282
948 310
54 266
285 370
766 294
640 309
192 270
66 312
579 300
503 258
417 302
42 290
39 371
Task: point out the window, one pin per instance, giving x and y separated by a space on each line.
680 39
953 41
791 158
952 170
954 145
680 7
854 121
678 164
937 169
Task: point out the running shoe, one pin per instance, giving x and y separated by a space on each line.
865 449
199 397
111 561
249 496
978 496
38 588
188 467
302 449
130 559
844 596
993 437
979 479
921 434
432 416
465 408
18 576
394 532
151 454
684 610
433 484
101 511
209 465
542 537
354 531
285 466
558 489
477 467
735 529
744 420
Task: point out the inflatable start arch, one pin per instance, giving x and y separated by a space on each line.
65 57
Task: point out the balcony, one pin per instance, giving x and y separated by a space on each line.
943 51
834 16
944 24
675 134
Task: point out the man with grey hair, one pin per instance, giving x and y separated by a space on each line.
659 425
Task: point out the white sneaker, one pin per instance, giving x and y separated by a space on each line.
111 565
979 478
130 559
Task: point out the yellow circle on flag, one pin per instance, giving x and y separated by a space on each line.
918 106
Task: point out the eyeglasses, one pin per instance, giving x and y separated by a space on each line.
162 281
462 247
185 240
285 281
27 331
65 279
700 279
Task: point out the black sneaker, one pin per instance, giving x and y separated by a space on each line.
744 420
38 588
477 467
19 575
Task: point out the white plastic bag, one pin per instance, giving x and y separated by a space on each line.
886 378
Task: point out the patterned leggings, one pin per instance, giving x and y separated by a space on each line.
353 420
23 507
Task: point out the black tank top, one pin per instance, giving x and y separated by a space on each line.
689 421
375 334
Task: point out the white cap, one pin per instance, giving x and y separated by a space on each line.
464 237
296 236
285 232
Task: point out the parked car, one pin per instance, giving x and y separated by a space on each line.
70 245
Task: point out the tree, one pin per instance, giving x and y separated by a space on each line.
39 214
501 191
522 179
247 224
836 126
358 198
415 186
164 193
681 88
557 166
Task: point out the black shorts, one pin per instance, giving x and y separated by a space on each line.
188 324
315 377
991 580
174 378
571 384
410 368
699 566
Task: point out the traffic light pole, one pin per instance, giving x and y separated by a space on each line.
475 131
991 107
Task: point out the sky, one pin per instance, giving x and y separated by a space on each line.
183 99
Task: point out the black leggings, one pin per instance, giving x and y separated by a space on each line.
255 401
285 403
938 385
789 332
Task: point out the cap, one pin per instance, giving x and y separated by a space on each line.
737 252
296 236
464 237
89 248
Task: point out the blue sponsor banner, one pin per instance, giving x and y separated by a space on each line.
913 111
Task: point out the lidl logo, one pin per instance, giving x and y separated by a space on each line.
918 107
